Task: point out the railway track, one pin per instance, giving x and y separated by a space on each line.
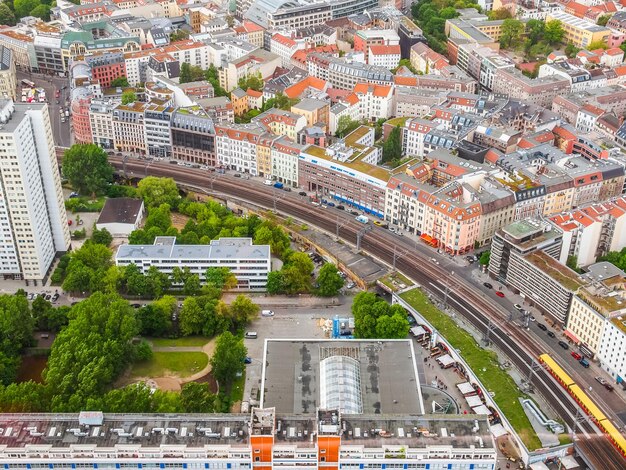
467 302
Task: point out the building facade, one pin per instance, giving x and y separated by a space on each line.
33 220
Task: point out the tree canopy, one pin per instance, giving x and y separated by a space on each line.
346 125
329 281
228 358
375 318
156 191
91 351
129 97
392 147
254 81
87 168
121 81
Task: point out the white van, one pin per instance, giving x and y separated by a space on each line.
267 313
251 334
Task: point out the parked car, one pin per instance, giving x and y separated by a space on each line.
378 222
302 193
279 185
500 294
350 285
518 307
576 356
541 326
602 380
393 230
584 362
237 175
354 213
267 313
487 285
55 297
551 334
251 334
287 189
247 360
340 207
268 182
563 344
330 203
136 305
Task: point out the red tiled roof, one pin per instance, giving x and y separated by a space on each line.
385 50
377 90
285 41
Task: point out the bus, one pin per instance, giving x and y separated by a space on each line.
28 83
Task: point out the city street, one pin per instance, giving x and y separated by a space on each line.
60 130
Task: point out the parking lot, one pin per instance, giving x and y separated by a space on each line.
286 323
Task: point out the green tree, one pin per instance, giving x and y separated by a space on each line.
41 11
185 73
87 168
197 398
91 351
243 310
268 233
535 30
512 31
571 50
603 20
392 147
392 327
157 282
179 35
212 76
156 191
484 258
7 17
23 8
156 318
228 358
92 255
129 97
102 237
346 125
16 324
143 351
375 318
275 283
329 281
280 101
405 63
192 285
597 45
554 32
220 278
254 81
499 14
192 317
120 82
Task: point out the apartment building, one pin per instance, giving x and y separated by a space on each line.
578 31
33 221
523 256
595 305
81 121
280 122
101 122
345 74
157 122
220 109
129 131
347 172
8 80
285 47
592 231
455 80
539 91
22 46
425 60
482 63
384 56
258 61
106 67
236 146
251 32
193 136
416 102
275 14
284 156
314 111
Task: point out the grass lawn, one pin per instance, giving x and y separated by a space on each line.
236 390
182 364
483 363
188 341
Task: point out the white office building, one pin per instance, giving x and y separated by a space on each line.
33 222
249 263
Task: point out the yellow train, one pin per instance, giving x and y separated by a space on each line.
585 403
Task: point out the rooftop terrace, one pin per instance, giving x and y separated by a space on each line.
559 272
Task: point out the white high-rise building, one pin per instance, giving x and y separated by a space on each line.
33 221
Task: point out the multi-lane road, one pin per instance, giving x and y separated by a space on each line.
479 308
60 130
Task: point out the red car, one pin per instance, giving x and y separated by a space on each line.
576 356
500 294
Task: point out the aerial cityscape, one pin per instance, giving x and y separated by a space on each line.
302 234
